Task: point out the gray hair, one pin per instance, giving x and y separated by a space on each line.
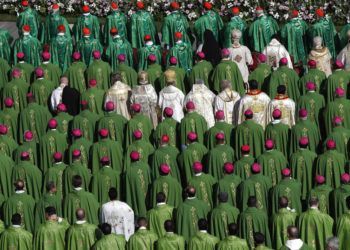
332 243
225 84
199 81
115 77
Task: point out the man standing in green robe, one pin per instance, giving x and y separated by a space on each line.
314 218
81 143
22 203
243 165
94 96
202 239
82 234
170 240
50 234
9 118
26 68
145 51
338 196
75 73
41 87
232 241
29 145
141 24
313 75
338 79
143 238
128 74
79 198
160 213
109 240
201 70
52 72
294 242
6 184
235 23
117 20
5 50
182 51
261 30
322 192
55 174
15 236
169 127
7 144
28 16
100 71
343 227
16 89
261 73
4 70
63 119
154 71
253 219
189 213
86 45
88 21
29 45
221 216
117 45
227 70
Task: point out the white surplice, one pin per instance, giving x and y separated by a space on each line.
119 94
172 97
227 101
56 97
287 107
243 57
323 59
344 57
274 52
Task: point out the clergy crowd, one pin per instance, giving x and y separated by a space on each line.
211 136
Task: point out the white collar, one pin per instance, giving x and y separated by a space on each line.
116 36
160 203
106 166
191 198
59 162
16 226
40 78
198 174
314 208
19 191
295 244
26 33
46 62
142 228
59 219
149 43
276 121
311 91
21 62
61 34
203 231
78 188
87 14
179 42
80 222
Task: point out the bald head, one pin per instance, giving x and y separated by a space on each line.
19 185
293 232
142 222
80 214
190 191
283 202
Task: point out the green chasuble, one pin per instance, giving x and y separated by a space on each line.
50 235
342 35
49 29
293 35
16 238
304 128
261 31
106 147
301 163
210 20
280 133
193 122
272 162
9 117
79 198
42 89
4 72
63 122
86 46
219 126
76 168
6 184
339 79
310 220
168 127
81 235
243 166
48 199
75 74
202 240
183 52
50 143
102 181
29 17
180 75
187 216
32 177
341 137
339 107
313 75
283 218
256 185
138 122
115 124
201 70
157 216
16 89
101 72
55 174
284 76
142 239
165 154
262 75
330 164
117 46
27 71
343 228
86 21
86 122
117 19
176 21
28 146
313 102
52 72
7 145
154 72
21 203
5 40
235 23
171 241
254 220
137 181
249 133
194 152
143 54
338 201
216 159
289 188
204 184
170 186
128 74
84 146
94 97
220 217
31 47
322 193
233 243
141 24
325 28
227 70
110 241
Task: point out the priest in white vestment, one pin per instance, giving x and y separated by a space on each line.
119 215
344 55
227 101
240 54
203 99
172 97
274 52
257 101
322 56
119 94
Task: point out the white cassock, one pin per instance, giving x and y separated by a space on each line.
242 56
119 94
227 101
172 97
344 57
56 97
287 107
323 59
258 103
274 52
203 100
147 97
120 216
